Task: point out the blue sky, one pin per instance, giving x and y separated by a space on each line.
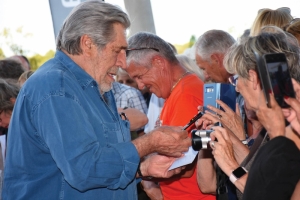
175 20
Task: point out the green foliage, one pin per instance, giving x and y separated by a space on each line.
16 48
2 55
192 41
37 60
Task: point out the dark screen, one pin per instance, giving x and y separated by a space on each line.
280 81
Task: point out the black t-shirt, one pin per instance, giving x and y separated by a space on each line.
275 171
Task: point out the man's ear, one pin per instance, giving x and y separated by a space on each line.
158 61
217 58
86 44
253 77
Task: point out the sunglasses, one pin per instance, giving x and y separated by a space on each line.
233 79
141 48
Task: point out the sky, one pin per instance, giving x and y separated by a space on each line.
175 20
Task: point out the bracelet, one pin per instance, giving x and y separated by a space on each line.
139 171
122 114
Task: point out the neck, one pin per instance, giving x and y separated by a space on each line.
180 75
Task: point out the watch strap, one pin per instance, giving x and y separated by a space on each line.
233 177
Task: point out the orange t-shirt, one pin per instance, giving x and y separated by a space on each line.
178 110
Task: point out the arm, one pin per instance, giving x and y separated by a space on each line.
206 172
224 155
76 142
136 118
296 193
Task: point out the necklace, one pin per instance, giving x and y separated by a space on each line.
178 80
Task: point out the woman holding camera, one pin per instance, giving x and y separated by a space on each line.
276 167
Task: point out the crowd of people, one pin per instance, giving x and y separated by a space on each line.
104 118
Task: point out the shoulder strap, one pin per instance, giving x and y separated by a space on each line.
222 190
257 142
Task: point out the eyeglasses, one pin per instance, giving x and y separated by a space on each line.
233 79
141 48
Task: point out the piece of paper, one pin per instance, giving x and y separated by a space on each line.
188 158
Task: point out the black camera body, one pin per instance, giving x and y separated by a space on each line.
200 139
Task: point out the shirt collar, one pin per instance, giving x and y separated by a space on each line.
82 76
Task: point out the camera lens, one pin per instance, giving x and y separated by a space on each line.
200 139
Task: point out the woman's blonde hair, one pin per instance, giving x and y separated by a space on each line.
240 57
265 17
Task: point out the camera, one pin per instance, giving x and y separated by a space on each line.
200 139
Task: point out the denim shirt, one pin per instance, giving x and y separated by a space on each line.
66 141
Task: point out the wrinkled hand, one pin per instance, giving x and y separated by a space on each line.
229 119
156 165
272 118
222 150
292 114
206 121
170 140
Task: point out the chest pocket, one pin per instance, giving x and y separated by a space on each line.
116 132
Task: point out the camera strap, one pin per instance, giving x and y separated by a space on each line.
222 190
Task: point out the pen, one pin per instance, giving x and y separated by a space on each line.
193 120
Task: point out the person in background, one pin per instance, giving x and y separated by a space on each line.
266 16
167 78
8 95
23 60
24 76
129 97
66 138
294 28
10 70
191 65
274 170
124 78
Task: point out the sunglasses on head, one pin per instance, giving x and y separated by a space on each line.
141 48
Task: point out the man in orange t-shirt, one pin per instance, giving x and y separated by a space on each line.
152 64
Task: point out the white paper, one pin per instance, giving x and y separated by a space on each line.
188 158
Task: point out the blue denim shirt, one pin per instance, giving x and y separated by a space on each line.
66 141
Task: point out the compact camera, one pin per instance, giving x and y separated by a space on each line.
200 139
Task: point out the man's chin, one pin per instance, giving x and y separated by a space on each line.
105 87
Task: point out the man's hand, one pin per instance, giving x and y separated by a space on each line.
157 166
170 141
166 140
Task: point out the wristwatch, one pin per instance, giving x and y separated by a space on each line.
237 173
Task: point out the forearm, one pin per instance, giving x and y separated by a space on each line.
296 193
206 172
136 118
144 145
240 151
241 182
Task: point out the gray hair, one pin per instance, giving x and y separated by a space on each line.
7 91
148 40
240 58
213 41
93 18
191 65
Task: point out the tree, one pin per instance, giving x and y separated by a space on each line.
11 43
2 56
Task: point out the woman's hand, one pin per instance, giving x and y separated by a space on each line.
229 119
292 114
223 150
272 118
